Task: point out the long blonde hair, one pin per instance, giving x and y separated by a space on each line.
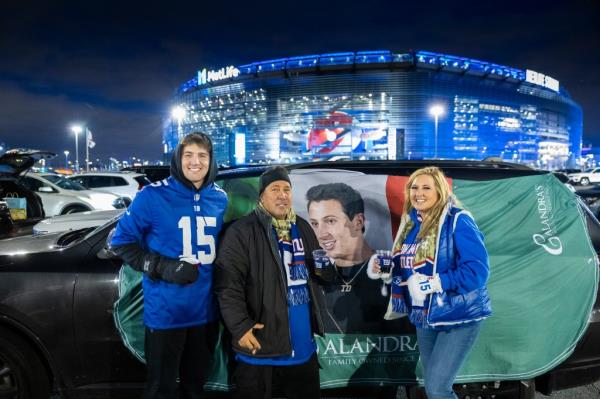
443 190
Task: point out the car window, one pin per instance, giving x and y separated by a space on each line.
64 183
30 184
99 181
83 180
34 184
119 181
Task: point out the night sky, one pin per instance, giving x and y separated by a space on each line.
115 65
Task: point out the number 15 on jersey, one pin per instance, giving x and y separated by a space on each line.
185 224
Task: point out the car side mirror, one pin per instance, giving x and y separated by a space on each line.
45 189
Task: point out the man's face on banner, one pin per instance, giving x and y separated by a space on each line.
337 234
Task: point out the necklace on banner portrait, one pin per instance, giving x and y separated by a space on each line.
347 285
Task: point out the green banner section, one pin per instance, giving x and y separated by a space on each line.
242 194
543 283
360 359
543 275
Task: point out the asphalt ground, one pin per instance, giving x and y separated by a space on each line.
591 391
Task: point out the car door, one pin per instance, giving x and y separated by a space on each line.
595 176
51 200
104 357
119 186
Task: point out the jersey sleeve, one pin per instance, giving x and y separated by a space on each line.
135 222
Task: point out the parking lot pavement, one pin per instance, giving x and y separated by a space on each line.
591 391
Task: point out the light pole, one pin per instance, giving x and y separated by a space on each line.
66 159
436 111
76 129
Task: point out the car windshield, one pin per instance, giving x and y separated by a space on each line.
64 183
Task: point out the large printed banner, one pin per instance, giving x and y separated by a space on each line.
543 278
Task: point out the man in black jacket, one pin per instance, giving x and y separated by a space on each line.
266 296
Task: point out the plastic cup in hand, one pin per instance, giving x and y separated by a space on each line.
384 258
322 261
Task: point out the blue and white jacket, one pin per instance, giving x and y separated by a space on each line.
462 264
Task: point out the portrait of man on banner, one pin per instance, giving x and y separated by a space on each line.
355 303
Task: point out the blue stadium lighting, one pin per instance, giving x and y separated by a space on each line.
449 62
370 57
271 65
427 58
336 59
302 61
248 69
402 58
424 59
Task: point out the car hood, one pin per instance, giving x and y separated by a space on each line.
14 162
75 221
29 244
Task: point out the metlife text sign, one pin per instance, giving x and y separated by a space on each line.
205 76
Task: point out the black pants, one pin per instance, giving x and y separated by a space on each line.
295 382
181 352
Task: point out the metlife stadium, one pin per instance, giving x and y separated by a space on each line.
378 105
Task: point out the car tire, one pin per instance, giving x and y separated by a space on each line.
22 373
585 181
74 209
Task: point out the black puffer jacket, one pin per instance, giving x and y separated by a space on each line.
252 287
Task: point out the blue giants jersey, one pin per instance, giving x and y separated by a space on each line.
171 219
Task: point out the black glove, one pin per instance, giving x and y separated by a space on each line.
177 271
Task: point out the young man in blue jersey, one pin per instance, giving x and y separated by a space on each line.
263 282
170 233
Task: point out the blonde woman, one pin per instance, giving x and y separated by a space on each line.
439 278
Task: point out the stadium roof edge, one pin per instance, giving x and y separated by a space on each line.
363 60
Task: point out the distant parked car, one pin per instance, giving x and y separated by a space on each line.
61 196
586 177
12 164
152 172
75 221
125 184
569 171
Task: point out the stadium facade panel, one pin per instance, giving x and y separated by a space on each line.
378 105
